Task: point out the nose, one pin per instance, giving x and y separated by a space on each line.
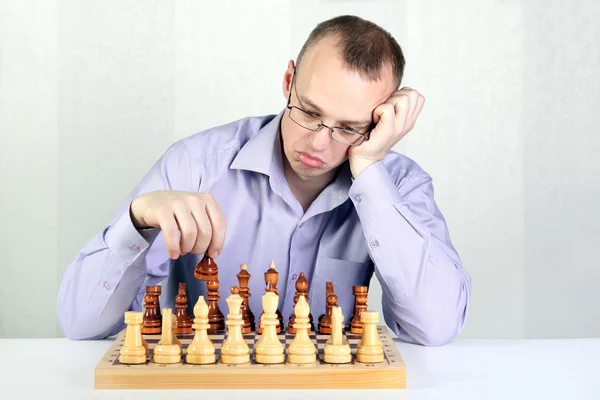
321 139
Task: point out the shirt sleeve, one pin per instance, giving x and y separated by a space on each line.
425 288
110 273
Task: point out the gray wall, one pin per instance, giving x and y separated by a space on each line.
92 93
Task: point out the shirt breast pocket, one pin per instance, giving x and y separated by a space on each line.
344 274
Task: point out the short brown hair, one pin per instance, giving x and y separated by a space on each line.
365 46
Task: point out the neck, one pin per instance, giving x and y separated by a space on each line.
306 189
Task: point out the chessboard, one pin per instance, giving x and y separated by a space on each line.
391 373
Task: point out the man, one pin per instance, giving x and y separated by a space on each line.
315 188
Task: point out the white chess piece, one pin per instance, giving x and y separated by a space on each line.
369 349
168 349
135 349
235 350
337 348
302 350
268 349
201 350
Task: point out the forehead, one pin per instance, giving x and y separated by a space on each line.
341 94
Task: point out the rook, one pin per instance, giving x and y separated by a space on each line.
135 349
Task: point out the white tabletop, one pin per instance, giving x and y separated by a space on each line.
463 369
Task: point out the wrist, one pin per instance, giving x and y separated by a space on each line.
136 219
358 165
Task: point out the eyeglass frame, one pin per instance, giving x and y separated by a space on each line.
365 136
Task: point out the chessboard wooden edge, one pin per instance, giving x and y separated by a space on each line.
357 376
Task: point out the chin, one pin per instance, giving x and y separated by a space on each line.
308 172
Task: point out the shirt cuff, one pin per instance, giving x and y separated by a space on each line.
373 191
126 242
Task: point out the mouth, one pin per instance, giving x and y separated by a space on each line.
310 161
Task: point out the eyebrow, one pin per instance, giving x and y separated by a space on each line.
304 99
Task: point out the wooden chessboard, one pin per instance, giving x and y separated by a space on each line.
391 373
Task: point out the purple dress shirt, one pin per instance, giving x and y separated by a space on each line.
385 222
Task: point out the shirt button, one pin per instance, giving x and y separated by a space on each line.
294 277
135 248
357 198
374 243
106 285
301 224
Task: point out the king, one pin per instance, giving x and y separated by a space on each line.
268 349
235 350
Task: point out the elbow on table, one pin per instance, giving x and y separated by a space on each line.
74 329
86 327
435 326
437 337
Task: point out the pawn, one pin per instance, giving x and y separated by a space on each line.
328 291
152 318
268 349
325 323
201 350
135 349
168 349
183 322
360 305
337 348
369 349
302 350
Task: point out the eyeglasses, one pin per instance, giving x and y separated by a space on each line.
307 120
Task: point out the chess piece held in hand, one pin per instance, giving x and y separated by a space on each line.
201 350
234 350
369 349
337 348
302 350
208 270
268 349
168 349
135 349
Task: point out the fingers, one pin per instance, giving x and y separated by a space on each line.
203 226
170 229
217 222
384 111
416 104
187 226
407 107
402 109
192 223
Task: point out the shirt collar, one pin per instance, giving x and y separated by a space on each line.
258 153
263 154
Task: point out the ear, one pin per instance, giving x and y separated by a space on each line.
287 79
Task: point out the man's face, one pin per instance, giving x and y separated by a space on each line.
325 88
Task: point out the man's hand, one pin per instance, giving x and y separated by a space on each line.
394 119
197 216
